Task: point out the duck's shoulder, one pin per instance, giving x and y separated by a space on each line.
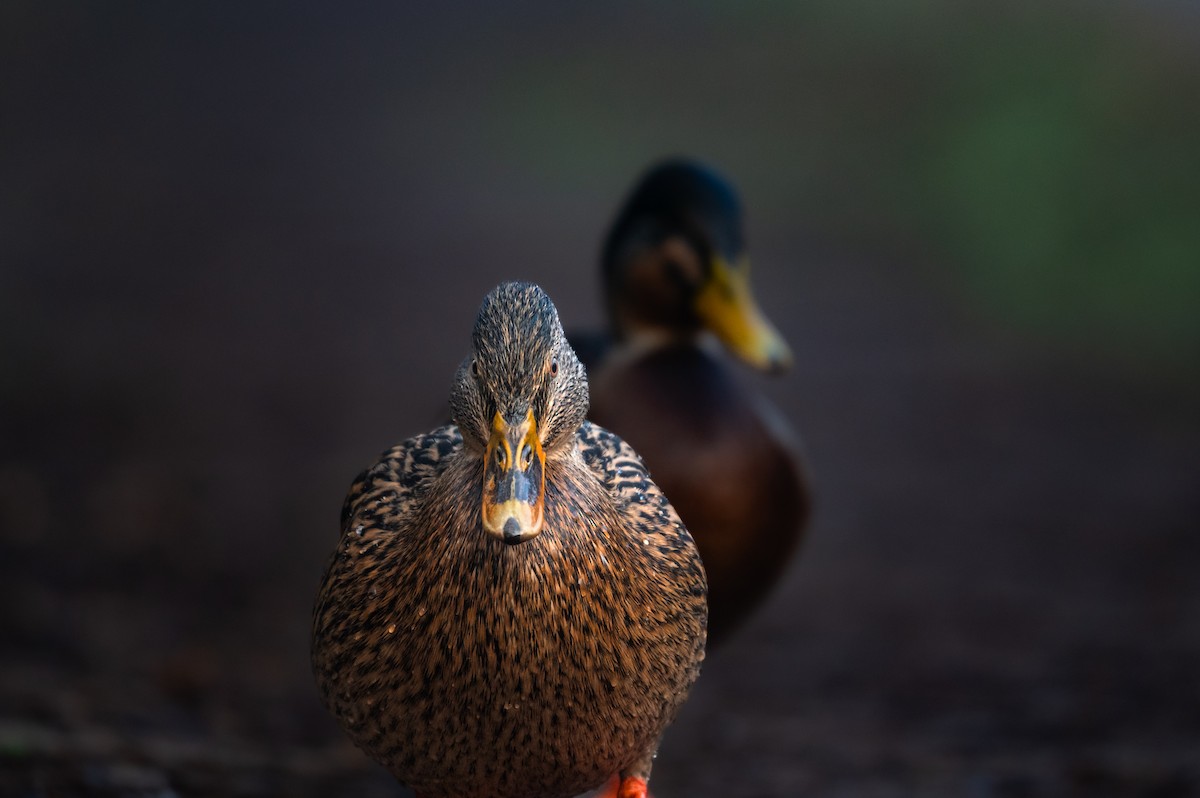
613 460
398 478
621 470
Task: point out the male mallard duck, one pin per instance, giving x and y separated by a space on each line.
675 269
514 609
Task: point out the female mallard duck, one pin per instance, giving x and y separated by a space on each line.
675 269
514 609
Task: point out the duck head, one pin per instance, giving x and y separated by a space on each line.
518 399
675 265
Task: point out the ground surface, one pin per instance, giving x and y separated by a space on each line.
229 296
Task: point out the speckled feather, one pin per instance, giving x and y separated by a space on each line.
470 668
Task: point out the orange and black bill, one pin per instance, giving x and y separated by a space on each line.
726 306
514 480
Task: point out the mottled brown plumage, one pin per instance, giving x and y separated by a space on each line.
676 275
472 668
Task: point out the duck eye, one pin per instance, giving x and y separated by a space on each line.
475 367
553 367
527 454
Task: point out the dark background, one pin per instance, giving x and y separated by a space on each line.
241 246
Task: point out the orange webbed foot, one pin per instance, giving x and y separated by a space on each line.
616 787
633 788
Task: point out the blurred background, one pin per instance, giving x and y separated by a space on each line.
242 244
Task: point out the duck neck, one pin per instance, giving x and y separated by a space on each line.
639 337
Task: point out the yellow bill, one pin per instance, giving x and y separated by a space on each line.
726 307
514 480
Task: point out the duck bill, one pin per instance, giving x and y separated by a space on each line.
514 480
726 306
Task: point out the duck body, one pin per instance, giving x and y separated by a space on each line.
724 456
503 663
676 279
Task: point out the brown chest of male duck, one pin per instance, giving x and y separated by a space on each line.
514 609
727 462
